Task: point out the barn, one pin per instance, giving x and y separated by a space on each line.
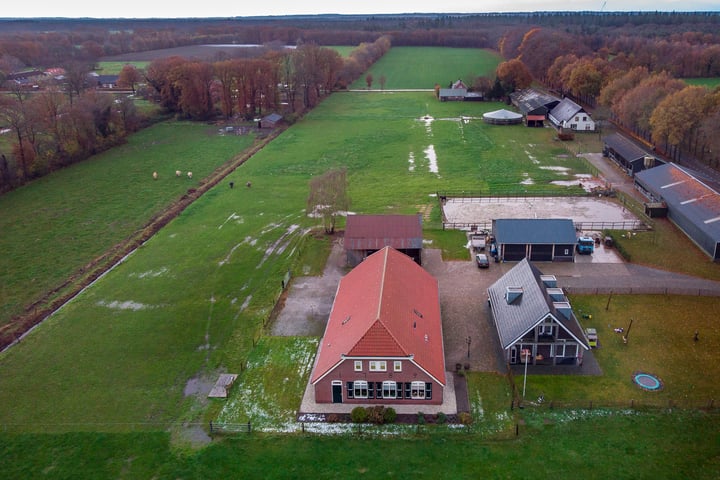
539 240
627 154
383 343
692 204
366 234
533 105
568 114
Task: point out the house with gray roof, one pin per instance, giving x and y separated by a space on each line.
538 239
534 319
627 154
569 115
693 204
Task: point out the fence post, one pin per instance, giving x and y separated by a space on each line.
249 427
211 427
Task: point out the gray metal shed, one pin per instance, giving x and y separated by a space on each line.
538 239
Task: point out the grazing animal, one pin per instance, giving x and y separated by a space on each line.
232 184
189 174
178 173
248 184
155 175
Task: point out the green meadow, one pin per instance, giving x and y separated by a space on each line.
114 68
423 67
710 83
107 386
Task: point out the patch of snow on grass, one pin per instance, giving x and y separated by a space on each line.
127 305
411 162
564 170
233 216
432 158
150 273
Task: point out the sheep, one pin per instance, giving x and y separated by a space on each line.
189 174
249 184
178 173
155 175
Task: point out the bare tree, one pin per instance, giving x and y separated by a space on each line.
328 197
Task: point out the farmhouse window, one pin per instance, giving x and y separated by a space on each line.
417 390
389 389
428 391
378 389
408 390
360 389
350 390
397 366
378 365
358 365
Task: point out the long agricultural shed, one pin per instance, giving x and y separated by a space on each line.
692 204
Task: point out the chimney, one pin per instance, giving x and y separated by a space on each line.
512 294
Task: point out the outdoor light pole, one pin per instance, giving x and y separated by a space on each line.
527 357
469 340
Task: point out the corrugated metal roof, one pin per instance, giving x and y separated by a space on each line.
536 231
625 147
373 232
530 101
685 193
514 319
387 306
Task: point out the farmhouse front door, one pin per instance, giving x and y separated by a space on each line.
337 392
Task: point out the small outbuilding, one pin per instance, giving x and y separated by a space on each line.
537 239
627 154
502 117
271 121
366 234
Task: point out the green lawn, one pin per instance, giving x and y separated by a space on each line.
705 82
58 223
114 68
423 67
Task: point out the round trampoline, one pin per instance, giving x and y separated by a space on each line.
647 381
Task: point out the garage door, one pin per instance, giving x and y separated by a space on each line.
541 253
514 252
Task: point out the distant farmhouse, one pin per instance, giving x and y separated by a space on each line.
569 115
692 204
534 319
366 234
458 92
383 342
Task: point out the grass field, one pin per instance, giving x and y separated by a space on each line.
103 387
423 67
114 68
58 223
705 82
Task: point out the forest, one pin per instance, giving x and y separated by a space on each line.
626 67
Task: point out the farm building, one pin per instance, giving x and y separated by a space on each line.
383 342
270 121
366 234
502 117
627 154
457 91
534 320
533 105
538 239
569 115
692 204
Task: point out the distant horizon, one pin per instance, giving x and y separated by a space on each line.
140 10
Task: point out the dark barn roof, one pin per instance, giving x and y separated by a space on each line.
565 110
534 230
625 147
373 232
532 102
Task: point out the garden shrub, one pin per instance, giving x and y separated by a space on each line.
375 414
441 418
421 418
359 415
465 418
389 415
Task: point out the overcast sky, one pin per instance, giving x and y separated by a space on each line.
244 8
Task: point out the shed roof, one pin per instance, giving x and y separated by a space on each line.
531 101
373 232
534 230
387 306
514 319
629 150
453 92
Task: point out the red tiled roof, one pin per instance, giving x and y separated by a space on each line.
373 232
387 306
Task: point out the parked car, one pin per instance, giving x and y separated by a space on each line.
482 260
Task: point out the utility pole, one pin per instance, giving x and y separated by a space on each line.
469 341
627 332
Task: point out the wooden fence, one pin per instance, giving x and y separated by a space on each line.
229 428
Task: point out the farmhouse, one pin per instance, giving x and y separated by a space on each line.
568 114
692 204
533 105
534 320
456 92
544 240
383 342
366 234
627 154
